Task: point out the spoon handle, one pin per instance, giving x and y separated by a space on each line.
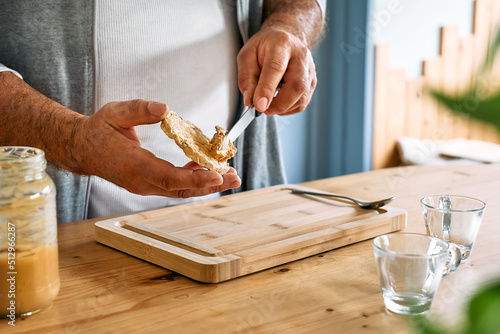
303 192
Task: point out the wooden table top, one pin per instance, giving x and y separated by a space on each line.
104 290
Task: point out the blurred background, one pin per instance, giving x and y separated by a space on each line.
374 59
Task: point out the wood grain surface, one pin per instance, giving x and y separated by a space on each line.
107 291
231 236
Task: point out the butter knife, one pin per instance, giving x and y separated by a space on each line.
246 118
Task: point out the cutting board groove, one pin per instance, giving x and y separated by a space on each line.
220 239
170 239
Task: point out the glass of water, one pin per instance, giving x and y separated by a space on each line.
453 218
410 268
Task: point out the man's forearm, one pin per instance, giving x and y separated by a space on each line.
303 18
28 118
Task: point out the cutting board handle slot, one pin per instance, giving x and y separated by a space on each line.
172 240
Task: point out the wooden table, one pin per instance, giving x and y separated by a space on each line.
104 290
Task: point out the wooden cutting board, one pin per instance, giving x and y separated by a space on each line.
231 236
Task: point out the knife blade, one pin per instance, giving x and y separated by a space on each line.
246 118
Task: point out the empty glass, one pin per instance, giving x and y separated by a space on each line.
453 218
410 268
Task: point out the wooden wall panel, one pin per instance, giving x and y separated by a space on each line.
402 109
380 152
395 108
448 78
431 70
413 126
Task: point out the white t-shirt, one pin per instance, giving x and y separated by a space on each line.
182 53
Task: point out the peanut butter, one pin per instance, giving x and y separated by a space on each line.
35 284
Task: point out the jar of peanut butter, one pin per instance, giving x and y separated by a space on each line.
29 263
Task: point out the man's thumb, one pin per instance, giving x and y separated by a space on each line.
127 114
157 109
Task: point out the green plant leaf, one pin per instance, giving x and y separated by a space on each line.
482 316
422 324
484 311
483 109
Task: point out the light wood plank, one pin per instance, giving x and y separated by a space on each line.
481 29
395 114
449 46
465 63
431 70
414 117
380 106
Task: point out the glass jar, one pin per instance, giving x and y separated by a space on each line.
29 262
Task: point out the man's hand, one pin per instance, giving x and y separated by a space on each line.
280 51
269 56
106 145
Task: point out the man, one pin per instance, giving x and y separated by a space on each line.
77 58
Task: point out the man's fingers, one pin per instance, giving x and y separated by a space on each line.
183 182
185 178
296 83
299 84
299 106
161 178
139 167
248 73
273 69
231 181
193 165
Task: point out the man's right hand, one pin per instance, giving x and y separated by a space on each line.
104 144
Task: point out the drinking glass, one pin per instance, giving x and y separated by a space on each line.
453 218
410 268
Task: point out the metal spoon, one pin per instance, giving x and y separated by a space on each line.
362 204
